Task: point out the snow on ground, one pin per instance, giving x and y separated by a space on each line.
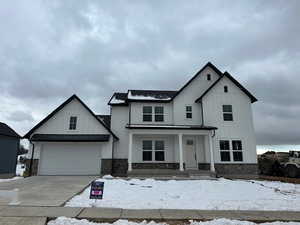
10 179
70 221
221 194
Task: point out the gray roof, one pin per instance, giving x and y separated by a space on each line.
105 118
71 137
7 131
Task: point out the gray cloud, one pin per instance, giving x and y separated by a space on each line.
20 116
52 49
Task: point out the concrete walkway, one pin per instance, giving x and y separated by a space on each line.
113 214
23 220
43 190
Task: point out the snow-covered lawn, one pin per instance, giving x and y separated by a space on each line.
69 221
221 194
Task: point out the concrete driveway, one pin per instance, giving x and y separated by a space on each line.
42 190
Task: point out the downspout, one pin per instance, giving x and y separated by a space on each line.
129 113
202 113
31 160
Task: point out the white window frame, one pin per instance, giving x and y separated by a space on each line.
153 150
224 112
231 151
153 114
186 112
73 124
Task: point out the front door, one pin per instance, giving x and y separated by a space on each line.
190 153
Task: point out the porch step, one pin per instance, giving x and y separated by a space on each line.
201 173
165 173
156 173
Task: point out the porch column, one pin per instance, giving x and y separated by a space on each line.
180 152
130 152
212 161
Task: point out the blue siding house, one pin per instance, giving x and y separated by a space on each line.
9 145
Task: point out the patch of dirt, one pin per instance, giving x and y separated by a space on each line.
282 179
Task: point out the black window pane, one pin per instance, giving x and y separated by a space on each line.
189 115
238 156
225 156
188 108
159 109
147 118
224 145
227 117
159 118
72 124
147 145
225 89
208 77
160 156
147 109
236 145
227 108
159 145
147 156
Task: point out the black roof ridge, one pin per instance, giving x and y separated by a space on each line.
74 96
238 84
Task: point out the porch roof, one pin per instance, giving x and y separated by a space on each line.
70 137
168 126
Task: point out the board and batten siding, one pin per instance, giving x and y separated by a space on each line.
59 123
119 120
188 96
241 128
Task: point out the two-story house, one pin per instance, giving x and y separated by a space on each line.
207 126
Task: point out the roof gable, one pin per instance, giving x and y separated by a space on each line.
59 108
7 131
209 64
241 87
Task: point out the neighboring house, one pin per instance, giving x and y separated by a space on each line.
9 146
204 126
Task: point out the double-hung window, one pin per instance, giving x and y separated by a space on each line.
188 112
73 123
153 150
225 150
237 150
159 113
227 113
147 113
147 150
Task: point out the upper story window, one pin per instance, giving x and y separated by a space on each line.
188 112
159 113
73 123
227 113
208 77
147 113
225 89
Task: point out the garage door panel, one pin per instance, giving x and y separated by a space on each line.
70 159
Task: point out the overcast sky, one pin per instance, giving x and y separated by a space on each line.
52 49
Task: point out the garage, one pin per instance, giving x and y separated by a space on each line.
70 159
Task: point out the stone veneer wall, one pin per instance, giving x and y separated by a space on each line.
155 166
232 168
116 167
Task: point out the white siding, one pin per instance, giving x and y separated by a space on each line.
242 125
188 96
137 112
59 123
119 119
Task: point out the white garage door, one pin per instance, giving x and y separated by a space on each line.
70 159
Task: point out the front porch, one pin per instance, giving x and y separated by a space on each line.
171 152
